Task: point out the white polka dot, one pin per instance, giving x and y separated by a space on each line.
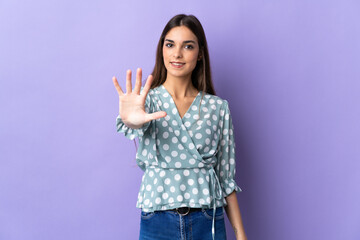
162 173
174 111
195 191
177 177
160 188
200 180
205 191
146 201
166 147
184 139
148 187
201 201
151 173
194 108
198 135
144 152
178 164
187 195
187 124
165 135
190 182
165 195
174 153
166 105
168 159
182 187
174 140
191 146
186 172
183 156
172 189
164 124
171 200
155 181
158 200
177 132
179 198
192 161
167 181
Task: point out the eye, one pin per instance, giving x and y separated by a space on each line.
169 44
189 46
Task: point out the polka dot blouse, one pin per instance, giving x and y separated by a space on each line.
187 161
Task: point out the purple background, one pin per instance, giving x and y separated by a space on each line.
289 69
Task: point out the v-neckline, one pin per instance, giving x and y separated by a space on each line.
181 118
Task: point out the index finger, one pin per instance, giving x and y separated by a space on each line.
147 85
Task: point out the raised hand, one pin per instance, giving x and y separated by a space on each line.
132 103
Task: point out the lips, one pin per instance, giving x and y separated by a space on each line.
177 64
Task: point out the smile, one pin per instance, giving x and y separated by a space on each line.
177 65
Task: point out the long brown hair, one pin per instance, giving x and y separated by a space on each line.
201 75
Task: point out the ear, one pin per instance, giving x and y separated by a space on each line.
199 57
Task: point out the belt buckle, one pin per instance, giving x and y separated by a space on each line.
183 214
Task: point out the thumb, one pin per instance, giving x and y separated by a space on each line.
155 115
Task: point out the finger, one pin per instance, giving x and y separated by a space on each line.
128 81
155 115
117 86
147 85
138 81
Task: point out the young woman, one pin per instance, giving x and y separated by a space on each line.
186 140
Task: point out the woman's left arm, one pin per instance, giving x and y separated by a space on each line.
233 212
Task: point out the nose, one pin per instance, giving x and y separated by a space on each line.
177 52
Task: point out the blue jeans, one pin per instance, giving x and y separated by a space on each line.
169 225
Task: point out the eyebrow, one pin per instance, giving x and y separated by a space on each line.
188 41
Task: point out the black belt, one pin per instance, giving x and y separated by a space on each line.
185 210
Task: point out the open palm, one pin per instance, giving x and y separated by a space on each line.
132 103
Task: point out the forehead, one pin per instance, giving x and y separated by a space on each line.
180 34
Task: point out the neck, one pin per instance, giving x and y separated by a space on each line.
180 87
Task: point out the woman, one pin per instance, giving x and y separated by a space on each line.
186 140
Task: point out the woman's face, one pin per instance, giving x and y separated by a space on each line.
180 52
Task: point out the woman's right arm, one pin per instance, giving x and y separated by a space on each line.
133 117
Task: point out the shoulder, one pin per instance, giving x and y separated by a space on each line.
215 100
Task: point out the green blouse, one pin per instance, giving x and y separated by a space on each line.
189 161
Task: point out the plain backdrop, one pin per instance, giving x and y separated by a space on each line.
289 70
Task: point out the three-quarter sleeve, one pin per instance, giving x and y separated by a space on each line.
226 161
131 133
